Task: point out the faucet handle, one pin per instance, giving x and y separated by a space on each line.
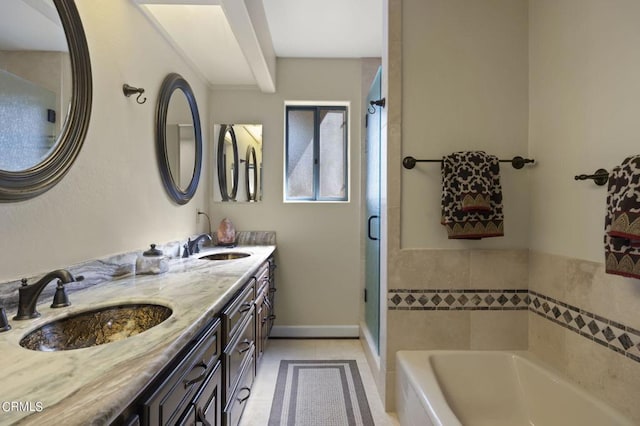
60 299
4 323
24 282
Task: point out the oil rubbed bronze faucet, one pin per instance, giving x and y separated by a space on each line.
192 246
28 294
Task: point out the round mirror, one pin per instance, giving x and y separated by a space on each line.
228 162
45 94
178 138
250 174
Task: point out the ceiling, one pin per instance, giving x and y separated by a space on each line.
227 42
326 28
234 42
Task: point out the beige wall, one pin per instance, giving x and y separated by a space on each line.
112 199
318 244
585 97
465 87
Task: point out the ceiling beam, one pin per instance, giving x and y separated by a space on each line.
248 22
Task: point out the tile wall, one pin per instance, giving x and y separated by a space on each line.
568 312
456 299
585 323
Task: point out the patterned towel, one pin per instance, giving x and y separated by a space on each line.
622 222
471 196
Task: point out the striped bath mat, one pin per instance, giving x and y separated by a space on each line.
319 393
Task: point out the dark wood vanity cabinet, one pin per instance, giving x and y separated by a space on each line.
191 386
245 331
264 307
210 381
238 320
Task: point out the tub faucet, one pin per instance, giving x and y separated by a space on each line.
28 294
192 246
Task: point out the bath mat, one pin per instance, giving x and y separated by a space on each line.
319 393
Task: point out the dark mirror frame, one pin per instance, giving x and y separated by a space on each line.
25 184
170 84
250 160
222 175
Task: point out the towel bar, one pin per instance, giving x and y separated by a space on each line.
517 162
600 177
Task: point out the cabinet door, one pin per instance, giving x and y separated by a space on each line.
237 401
188 418
208 403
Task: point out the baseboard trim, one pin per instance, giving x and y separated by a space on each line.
315 331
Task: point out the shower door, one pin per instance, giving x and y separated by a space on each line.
372 209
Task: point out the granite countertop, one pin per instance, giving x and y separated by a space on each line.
93 385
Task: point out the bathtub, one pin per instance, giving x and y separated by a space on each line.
491 388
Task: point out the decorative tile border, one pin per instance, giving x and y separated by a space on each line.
457 299
618 337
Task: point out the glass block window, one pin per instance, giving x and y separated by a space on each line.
316 153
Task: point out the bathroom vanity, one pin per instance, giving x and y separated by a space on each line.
197 366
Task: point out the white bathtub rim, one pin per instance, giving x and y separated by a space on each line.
435 403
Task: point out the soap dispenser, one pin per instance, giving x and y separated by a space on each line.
152 261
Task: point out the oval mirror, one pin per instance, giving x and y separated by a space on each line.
45 94
228 162
251 174
178 138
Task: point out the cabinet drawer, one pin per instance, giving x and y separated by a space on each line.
238 400
176 391
233 316
238 350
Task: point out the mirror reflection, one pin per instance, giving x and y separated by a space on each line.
238 177
35 82
180 140
251 175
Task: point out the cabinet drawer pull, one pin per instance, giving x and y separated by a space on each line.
273 290
245 307
246 342
241 400
201 417
271 317
200 378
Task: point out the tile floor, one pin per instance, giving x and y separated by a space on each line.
259 405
